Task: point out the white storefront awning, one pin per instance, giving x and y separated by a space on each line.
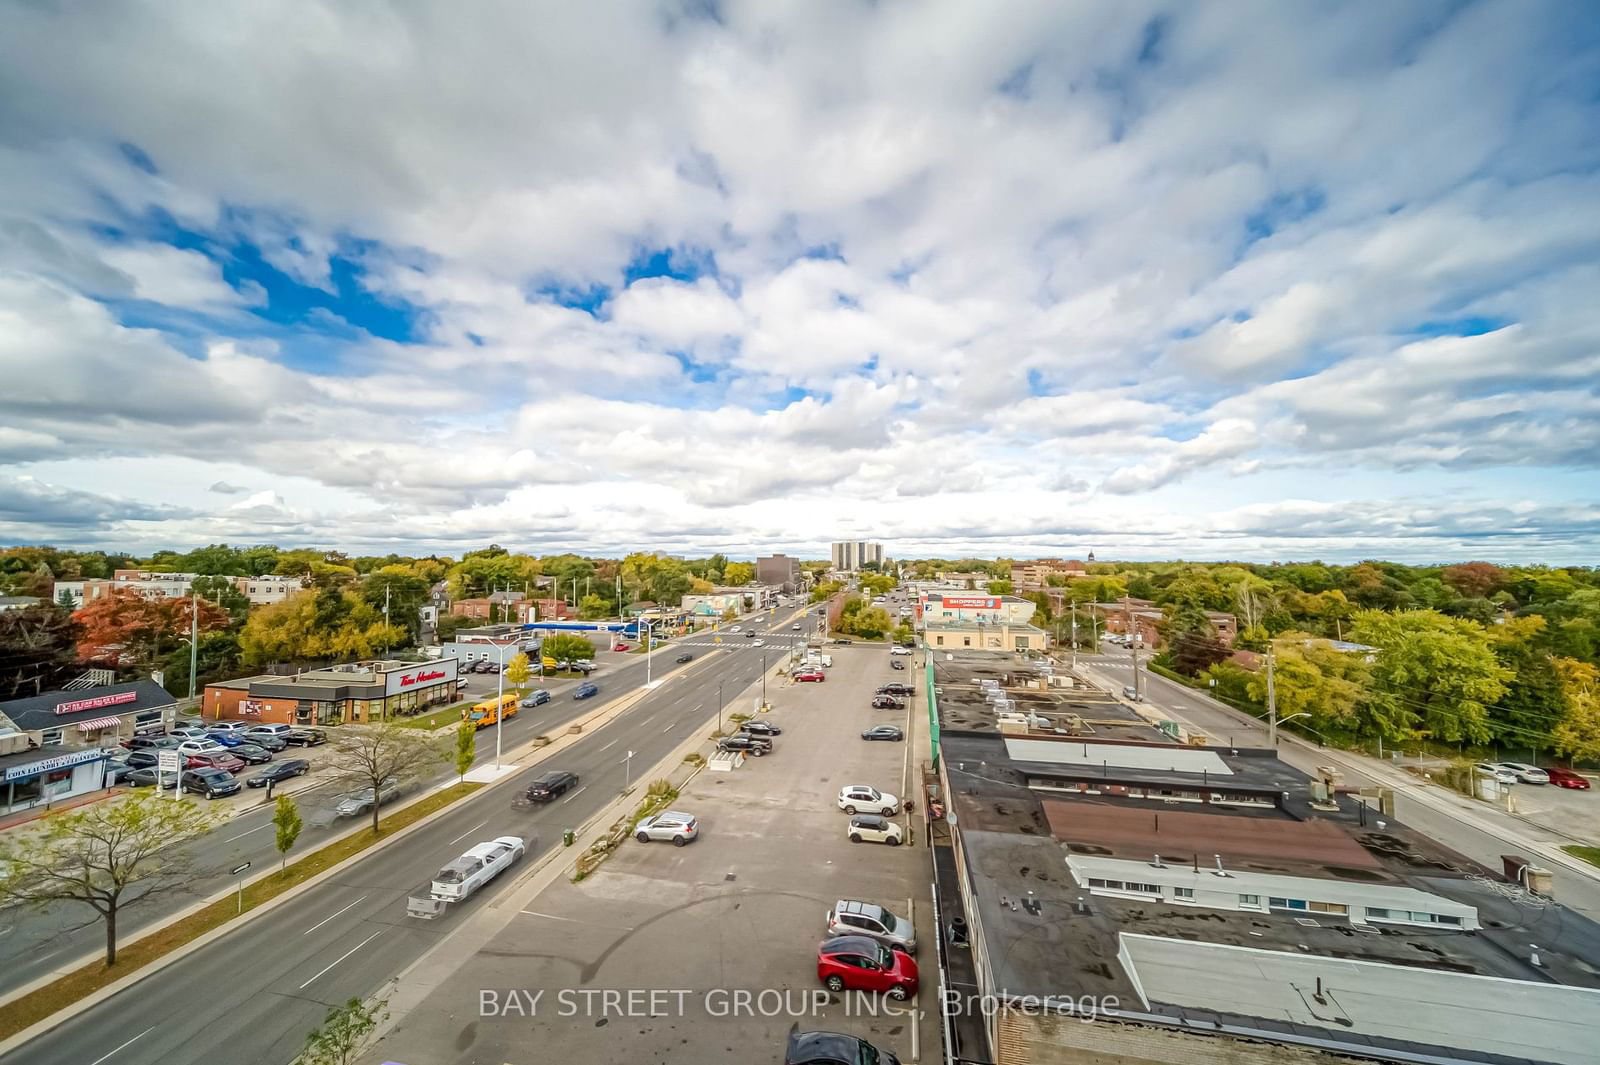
99 723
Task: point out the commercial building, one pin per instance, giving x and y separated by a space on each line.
1208 905
851 555
53 746
1145 618
494 607
780 570
349 694
490 643
1034 575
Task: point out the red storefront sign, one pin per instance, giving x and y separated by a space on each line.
408 679
96 703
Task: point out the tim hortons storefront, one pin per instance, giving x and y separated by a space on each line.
350 694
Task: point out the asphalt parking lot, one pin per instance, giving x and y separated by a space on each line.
1568 812
706 953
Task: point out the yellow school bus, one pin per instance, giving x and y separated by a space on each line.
488 712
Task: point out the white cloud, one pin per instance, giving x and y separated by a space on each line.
953 314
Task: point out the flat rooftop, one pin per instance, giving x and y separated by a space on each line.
1045 934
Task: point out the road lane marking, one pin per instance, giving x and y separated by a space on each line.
124 1046
325 920
575 794
669 727
343 956
242 835
469 831
613 743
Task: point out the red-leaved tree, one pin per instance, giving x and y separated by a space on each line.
123 628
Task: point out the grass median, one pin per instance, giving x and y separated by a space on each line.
436 719
1588 854
59 994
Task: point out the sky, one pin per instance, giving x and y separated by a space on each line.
1255 281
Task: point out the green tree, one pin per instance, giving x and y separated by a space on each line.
97 855
344 1034
1192 641
567 647
592 607
324 623
738 574
286 820
466 747
518 671
223 592
1577 734
1434 675
1000 587
1312 678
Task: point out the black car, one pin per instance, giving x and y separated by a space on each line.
278 772
750 634
583 691
549 785
755 746
894 687
840 640
538 698
761 728
883 732
887 702
895 663
266 741
251 754
141 759
305 737
833 1048
685 657
212 783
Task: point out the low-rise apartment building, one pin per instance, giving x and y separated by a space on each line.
1034 575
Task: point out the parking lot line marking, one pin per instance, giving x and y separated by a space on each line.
575 794
328 918
343 956
130 1042
242 835
574 920
469 831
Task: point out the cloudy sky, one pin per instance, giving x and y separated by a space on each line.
1235 280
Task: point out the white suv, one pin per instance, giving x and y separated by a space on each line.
855 797
232 728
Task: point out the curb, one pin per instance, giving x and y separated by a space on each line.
94 998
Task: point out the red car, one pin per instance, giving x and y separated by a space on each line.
864 964
619 647
231 763
1566 778
810 674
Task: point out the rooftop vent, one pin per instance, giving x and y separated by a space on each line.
1219 870
1306 922
1157 863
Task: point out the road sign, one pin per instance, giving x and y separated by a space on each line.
240 869
169 761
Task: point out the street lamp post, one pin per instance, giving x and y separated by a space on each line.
719 707
499 711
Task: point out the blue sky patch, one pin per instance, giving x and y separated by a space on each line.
686 264
1469 326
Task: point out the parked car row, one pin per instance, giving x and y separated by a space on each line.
212 756
1523 773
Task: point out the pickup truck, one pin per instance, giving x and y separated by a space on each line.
481 864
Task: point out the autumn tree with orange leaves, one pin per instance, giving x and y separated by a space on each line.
123 628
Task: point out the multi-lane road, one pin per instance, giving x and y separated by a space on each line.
253 994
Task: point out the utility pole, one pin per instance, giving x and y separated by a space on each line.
1272 703
719 707
1074 634
386 619
194 641
1133 646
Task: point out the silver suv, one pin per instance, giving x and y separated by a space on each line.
851 917
671 826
